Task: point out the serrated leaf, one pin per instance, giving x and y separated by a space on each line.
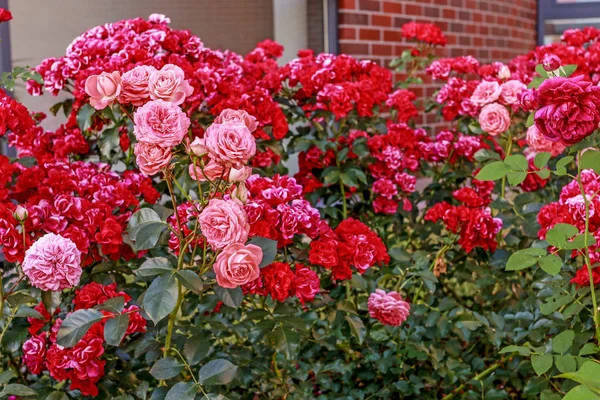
587 349
16 389
524 259
196 348
517 162
154 266
285 341
569 69
26 312
541 159
18 298
581 393
551 264
6 376
357 328
144 228
190 280
493 171
565 363
182 391
84 117
563 341
563 162
590 159
217 372
115 329
161 297
522 350
530 120
543 173
541 363
57 395
114 305
515 178
230 297
166 368
268 247
76 325
588 375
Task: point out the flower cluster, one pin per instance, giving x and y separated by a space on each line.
426 33
472 220
442 68
350 244
82 364
388 308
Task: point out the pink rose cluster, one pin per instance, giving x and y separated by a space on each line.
492 96
53 263
567 110
388 308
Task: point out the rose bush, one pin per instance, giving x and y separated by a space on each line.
156 248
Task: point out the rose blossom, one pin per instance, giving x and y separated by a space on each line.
151 158
510 91
161 123
388 308
103 89
169 84
306 283
240 174
504 72
240 192
570 109
494 119
197 147
486 92
550 62
224 222
135 85
53 263
212 172
237 265
230 144
238 116
5 15
540 144
34 353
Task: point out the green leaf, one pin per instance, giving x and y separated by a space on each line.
154 266
16 389
517 162
587 349
182 391
57 395
558 235
541 363
569 69
230 297
486 154
588 375
535 83
563 341
6 376
196 348
144 228
217 372
541 71
109 141
115 329
166 368
563 162
285 341
541 159
493 171
268 247
19 298
522 350
76 325
581 393
330 176
551 264
524 259
530 120
190 280
84 117
26 312
590 159
357 328
543 173
565 363
161 297
114 305
514 178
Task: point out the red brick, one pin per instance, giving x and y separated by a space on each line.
354 48
392 36
369 34
381 20
413 9
369 5
347 33
347 4
393 8
448 13
353 19
382 50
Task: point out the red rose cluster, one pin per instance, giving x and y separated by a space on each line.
472 220
427 33
280 282
441 69
338 84
351 244
86 203
401 103
570 209
81 364
277 210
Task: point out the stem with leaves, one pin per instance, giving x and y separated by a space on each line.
507 152
478 377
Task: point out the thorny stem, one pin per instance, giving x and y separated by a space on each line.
477 377
596 312
507 153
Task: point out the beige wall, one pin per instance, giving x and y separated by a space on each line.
44 28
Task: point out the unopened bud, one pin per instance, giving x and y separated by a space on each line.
550 62
504 72
20 213
240 175
197 147
240 193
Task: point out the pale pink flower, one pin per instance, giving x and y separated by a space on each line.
135 85
240 174
212 172
103 89
510 92
540 144
224 222
388 308
237 265
53 263
169 84
230 144
240 116
160 122
494 119
197 147
151 158
486 92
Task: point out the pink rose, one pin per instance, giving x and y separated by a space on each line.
240 174
103 89
212 172
240 193
34 353
540 144
237 265
238 116
494 119
161 123
486 92
306 283
53 263
169 84
388 308
135 85
224 222
197 147
504 72
551 62
151 158
510 92
230 144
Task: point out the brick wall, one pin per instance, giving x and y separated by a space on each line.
490 30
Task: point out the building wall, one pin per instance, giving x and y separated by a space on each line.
490 30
